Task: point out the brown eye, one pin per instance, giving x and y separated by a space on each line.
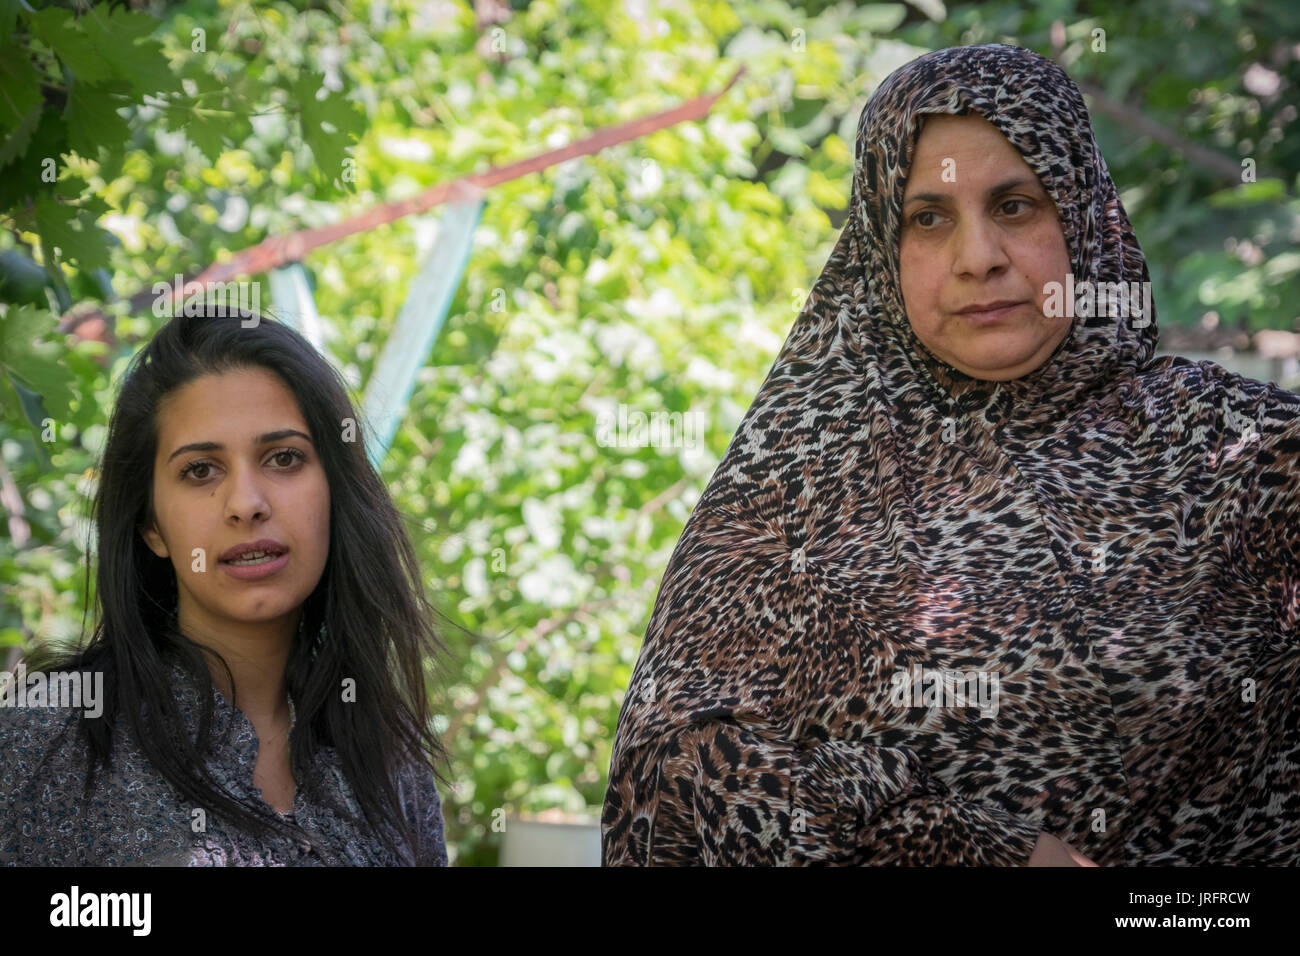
1016 202
294 455
193 465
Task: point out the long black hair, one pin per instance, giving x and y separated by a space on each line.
379 628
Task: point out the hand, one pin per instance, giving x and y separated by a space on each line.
1050 851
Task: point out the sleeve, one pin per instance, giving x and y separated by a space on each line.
424 813
10 782
722 794
36 779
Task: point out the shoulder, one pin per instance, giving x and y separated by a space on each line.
1260 414
1209 384
422 808
43 767
1215 407
32 737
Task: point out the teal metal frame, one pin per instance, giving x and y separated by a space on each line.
419 322
291 294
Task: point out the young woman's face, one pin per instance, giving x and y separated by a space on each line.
978 228
257 477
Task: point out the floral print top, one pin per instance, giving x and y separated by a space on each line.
134 817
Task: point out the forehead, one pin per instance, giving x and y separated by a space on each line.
226 404
950 146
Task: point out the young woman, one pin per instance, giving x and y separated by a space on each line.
261 639
981 580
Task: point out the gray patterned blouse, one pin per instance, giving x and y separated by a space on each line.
135 818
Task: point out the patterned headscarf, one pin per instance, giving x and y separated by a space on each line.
1110 541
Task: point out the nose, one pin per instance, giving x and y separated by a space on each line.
246 500
979 252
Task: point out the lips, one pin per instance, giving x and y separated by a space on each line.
253 549
990 306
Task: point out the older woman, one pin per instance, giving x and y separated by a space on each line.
979 580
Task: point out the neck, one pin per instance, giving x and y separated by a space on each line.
257 654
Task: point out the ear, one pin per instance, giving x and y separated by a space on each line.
154 540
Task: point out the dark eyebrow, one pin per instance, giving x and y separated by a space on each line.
262 440
1020 182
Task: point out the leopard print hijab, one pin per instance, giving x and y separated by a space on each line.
1112 539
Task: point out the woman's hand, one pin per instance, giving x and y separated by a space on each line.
1049 851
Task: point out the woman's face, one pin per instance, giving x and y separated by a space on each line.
256 477
978 228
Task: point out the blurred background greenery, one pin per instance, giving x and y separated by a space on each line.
142 140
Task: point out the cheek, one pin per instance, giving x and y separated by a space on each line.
919 269
906 264
321 511
919 284
912 272
1048 259
168 513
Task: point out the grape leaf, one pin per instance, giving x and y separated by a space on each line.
74 232
117 37
16 144
57 29
34 366
328 147
207 131
20 86
48 379
25 177
93 120
8 18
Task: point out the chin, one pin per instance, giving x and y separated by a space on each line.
997 373
262 613
998 366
